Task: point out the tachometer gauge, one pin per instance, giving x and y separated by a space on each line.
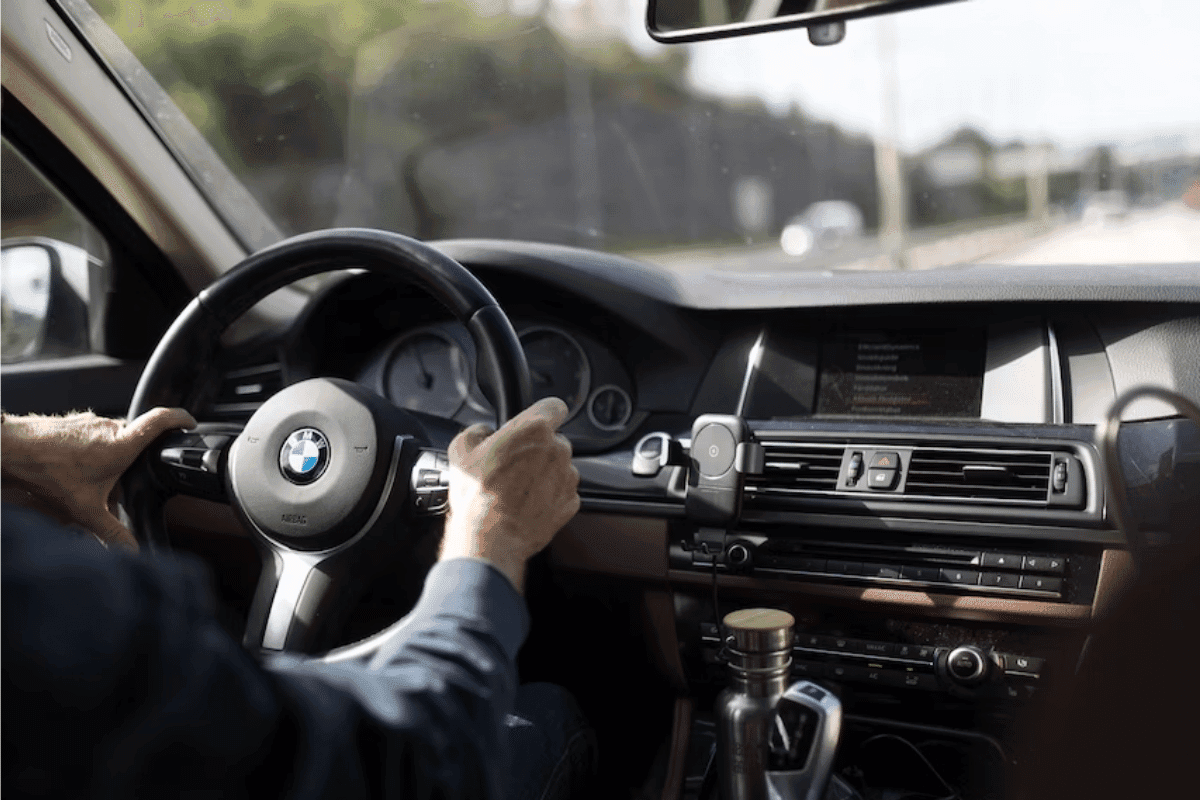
428 372
558 366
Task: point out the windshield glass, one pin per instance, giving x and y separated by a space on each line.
1004 131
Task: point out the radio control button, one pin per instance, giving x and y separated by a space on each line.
1002 560
1000 580
960 577
1039 584
1051 564
925 574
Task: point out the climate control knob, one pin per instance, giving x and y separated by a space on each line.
966 665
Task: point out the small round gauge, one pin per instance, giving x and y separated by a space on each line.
428 372
557 365
609 408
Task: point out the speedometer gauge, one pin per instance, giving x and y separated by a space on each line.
557 365
428 372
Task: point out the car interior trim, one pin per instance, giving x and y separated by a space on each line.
111 139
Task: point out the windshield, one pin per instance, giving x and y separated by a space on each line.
1004 131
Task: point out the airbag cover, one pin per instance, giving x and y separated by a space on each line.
308 464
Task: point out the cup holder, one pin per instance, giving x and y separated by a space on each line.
887 760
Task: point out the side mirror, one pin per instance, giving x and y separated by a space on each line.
694 20
46 287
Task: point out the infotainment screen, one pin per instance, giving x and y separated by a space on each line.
910 373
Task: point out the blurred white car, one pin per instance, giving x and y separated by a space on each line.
827 224
1104 208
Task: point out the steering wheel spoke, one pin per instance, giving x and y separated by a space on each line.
294 598
193 462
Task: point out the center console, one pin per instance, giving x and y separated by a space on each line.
917 501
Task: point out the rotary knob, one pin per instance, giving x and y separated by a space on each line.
966 665
737 557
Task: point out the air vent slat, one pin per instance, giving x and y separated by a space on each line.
943 474
791 468
966 473
244 390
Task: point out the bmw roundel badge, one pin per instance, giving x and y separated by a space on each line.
304 456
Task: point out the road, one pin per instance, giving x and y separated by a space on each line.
1167 234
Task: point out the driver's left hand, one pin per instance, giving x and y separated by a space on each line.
68 467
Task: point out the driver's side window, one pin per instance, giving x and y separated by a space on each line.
55 269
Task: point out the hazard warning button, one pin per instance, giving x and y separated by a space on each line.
885 459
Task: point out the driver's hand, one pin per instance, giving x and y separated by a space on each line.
68 467
511 491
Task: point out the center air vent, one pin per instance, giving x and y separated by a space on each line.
244 390
979 474
797 468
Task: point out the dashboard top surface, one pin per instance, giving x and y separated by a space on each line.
704 288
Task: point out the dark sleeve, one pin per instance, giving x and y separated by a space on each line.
118 682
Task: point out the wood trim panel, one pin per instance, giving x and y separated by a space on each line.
621 546
202 518
681 730
662 638
1116 574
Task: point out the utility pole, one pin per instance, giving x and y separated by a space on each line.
889 175
1037 181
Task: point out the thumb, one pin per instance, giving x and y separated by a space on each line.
466 441
110 531
156 421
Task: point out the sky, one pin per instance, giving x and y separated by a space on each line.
1075 72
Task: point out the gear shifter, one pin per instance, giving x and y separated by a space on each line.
802 742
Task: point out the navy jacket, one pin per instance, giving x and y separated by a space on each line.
118 682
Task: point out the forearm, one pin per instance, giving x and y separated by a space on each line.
180 706
461 541
438 689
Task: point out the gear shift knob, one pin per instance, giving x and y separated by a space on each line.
802 742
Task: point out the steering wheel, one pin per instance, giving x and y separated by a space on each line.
326 474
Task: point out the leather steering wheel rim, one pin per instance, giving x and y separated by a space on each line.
193 338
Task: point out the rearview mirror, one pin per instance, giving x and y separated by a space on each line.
693 20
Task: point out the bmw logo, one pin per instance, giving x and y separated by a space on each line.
304 456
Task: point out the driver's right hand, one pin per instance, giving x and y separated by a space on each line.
511 490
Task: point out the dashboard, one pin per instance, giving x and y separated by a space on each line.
927 493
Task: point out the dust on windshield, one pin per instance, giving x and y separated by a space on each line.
1008 131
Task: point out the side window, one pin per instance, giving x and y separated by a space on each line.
55 269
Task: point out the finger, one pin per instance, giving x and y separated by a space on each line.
466 441
156 421
110 531
564 444
549 410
